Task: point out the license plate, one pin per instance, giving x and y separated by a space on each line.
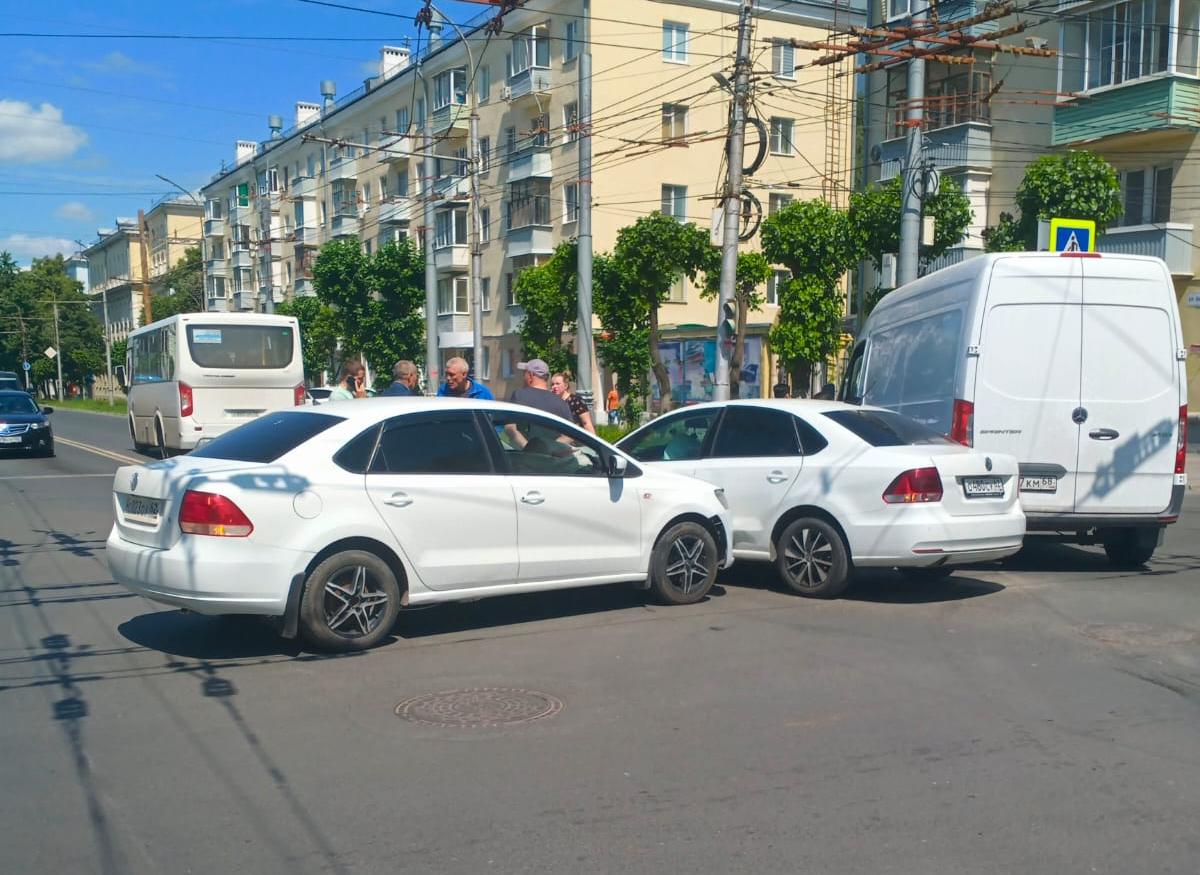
1038 484
10 440
142 510
983 487
244 414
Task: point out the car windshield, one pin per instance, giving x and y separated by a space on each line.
883 428
17 404
267 438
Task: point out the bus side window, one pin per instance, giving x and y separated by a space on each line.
852 381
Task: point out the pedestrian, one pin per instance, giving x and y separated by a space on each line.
613 405
404 380
459 385
536 391
351 382
827 393
780 389
560 385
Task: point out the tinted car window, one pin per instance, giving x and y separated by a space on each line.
446 445
356 455
883 428
267 438
533 445
756 431
811 440
18 403
241 346
672 438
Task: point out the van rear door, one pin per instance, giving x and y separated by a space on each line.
1130 388
1027 383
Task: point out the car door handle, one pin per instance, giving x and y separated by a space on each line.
776 477
533 498
398 499
1104 434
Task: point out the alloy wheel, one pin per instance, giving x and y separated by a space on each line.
687 568
354 603
809 558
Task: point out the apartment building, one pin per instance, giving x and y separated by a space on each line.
1132 69
356 166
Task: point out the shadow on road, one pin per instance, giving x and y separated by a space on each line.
879 585
195 636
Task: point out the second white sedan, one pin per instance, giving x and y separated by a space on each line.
821 488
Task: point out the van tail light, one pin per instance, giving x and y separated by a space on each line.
206 513
962 422
1181 447
185 399
298 394
917 486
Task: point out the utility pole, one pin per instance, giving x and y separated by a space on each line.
58 352
476 247
143 233
584 355
912 191
727 332
107 330
432 365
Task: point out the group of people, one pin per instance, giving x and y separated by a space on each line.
781 390
550 393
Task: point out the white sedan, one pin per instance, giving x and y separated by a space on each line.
821 488
331 520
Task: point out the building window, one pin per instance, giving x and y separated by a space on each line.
510 299
510 142
420 112
383 188
570 122
571 202
783 59
674 201
777 202
528 203
402 120
1133 183
571 40
675 40
452 295
485 154
539 130
366 197
450 228
677 294
1160 210
485 294
216 286
777 281
450 88
1146 196
530 48
483 87
402 183
781 136
486 370
485 223
345 198
674 122
1126 41
898 8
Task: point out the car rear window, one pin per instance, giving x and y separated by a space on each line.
267 438
883 428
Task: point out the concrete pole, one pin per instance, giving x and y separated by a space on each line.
58 353
432 364
108 345
476 245
733 201
911 192
584 354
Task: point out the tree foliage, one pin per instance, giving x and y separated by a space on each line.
318 334
1075 185
187 279
549 296
376 300
753 271
875 214
624 343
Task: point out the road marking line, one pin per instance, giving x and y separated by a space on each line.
108 454
47 476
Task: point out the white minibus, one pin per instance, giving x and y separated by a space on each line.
196 375
1072 362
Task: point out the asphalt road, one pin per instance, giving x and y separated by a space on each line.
1040 716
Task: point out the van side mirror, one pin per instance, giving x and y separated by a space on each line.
119 373
617 465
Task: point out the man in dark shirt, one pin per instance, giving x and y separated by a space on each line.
536 392
404 379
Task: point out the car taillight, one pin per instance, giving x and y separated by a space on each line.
962 422
1181 446
298 395
185 399
206 513
913 487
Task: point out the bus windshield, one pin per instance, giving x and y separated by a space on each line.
241 347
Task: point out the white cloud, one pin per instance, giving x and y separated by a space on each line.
30 134
26 247
75 211
120 64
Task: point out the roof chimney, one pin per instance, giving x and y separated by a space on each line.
392 59
436 22
328 92
275 124
306 112
246 149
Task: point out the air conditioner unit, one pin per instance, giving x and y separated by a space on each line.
506 92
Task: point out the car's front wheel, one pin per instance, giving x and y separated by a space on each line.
812 558
683 564
350 602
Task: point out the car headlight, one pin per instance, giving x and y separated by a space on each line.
34 426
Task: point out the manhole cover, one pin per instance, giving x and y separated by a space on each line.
479 708
1138 634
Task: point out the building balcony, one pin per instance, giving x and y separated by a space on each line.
396 210
244 301
968 144
529 240
271 249
454 331
957 255
1173 242
217 305
268 202
241 258
457 258
303 187
1163 103
303 236
450 120
529 162
453 188
240 216
344 225
398 151
303 287
214 266
214 227
342 168
528 84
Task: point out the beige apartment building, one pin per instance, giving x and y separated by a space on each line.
356 166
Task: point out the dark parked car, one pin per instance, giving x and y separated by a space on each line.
9 380
23 425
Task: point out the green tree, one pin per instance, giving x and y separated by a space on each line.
318 334
548 294
817 243
624 343
187 279
875 213
1075 185
753 270
651 254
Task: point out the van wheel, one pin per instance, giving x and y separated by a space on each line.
1129 548
683 565
350 602
812 559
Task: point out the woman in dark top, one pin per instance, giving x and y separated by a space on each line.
560 385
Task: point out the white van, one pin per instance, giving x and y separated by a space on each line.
1072 362
196 375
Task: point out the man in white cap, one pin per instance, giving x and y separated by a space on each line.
536 391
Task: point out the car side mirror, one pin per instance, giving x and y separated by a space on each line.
617 465
47 410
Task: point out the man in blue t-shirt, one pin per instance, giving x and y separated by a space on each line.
459 385
404 380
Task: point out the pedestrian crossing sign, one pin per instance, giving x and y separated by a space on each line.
1072 235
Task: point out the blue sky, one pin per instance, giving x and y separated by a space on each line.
86 123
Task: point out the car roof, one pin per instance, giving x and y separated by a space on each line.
21 392
371 409
793 405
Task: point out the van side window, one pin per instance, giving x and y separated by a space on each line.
852 382
913 367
